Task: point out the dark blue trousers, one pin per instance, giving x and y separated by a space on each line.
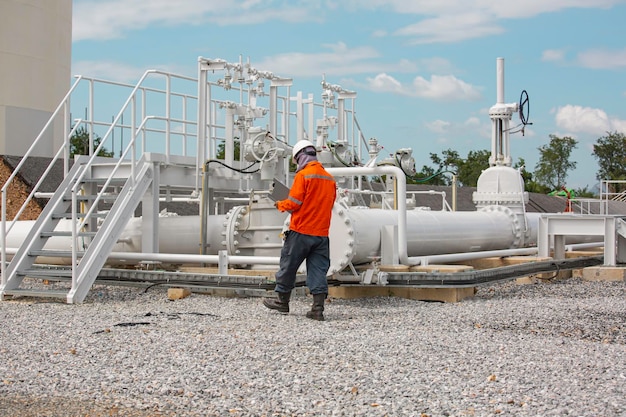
298 247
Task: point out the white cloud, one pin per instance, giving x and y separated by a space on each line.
385 83
530 8
469 131
439 87
108 70
112 19
580 119
437 65
603 59
450 28
456 20
472 121
340 60
116 71
553 55
496 7
445 87
438 126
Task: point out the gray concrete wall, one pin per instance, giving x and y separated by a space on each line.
35 71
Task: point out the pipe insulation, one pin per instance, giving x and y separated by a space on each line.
356 233
176 235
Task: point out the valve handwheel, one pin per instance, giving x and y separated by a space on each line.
524 107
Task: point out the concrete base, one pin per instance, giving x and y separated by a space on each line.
496 262
604 273
584 253
178 293
444 269
394 268
213 270
446 295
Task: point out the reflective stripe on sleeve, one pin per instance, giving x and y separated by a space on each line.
319 177
295 200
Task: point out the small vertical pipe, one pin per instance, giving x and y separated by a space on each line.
201 119
311 119
168 115
341 119
500 77
300 116
454 195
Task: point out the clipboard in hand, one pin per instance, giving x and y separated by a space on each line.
279 191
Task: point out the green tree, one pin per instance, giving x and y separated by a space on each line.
447 163
554 162
471 167
584 192
427 175
530 184
610 151
450 162
221 150
79 143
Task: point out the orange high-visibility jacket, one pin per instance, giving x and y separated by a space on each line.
310 200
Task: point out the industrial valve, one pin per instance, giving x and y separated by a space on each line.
261 146
403 159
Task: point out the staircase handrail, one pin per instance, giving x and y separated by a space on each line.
43 176
3 227
76 187
131 146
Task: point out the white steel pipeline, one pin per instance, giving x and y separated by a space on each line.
427 232
195 259
177 235
178 241
183 258
582 246
464 256
400 195
454 257
500 226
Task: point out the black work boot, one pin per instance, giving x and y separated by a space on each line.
317 309
279 304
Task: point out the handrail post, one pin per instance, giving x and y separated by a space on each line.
143 117
3 237
168 92
91 104
133 138
202 114
74 236
66 128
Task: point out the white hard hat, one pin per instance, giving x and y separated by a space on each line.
301 145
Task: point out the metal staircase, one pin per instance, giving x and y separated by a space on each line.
73 211
84 218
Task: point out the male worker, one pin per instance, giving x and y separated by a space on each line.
310 203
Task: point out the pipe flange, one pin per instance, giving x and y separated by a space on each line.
515 222
231 229
342 239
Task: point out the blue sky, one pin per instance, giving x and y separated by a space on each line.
424 70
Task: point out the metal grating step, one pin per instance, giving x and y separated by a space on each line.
36 293
68 215
55 253
104 197
113 181
67 233
45 273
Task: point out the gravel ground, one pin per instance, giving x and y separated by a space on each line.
548 349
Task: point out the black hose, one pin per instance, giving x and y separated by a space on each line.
485 276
